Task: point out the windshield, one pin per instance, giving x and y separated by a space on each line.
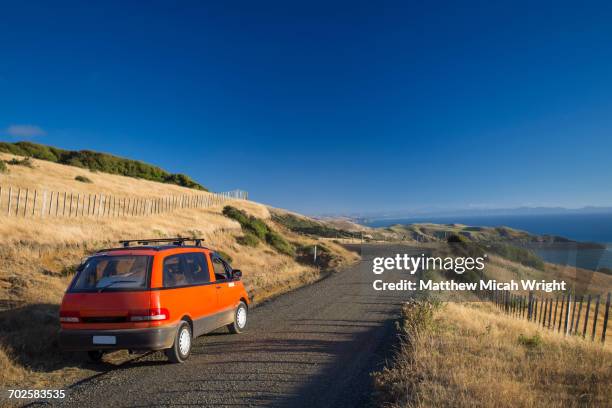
108 273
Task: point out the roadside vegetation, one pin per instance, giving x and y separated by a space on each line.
256 230
466 355
96 161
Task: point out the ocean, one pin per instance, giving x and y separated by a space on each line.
578 227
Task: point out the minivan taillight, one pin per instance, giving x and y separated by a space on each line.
70 316
148 315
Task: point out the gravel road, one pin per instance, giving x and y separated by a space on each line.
313 347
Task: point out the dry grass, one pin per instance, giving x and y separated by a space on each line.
471 355
38 256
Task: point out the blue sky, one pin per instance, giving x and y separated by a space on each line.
326 107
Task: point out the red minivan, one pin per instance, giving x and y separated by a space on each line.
156 294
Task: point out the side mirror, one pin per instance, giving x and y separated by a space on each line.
236 274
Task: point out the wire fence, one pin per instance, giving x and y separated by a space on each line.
24 202
583 315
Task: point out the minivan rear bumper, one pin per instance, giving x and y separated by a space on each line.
155 338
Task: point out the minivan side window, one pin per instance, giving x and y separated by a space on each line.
196 268
219 267
185 269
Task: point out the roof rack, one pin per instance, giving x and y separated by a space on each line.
178 241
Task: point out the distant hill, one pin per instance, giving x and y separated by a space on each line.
102 162
426 232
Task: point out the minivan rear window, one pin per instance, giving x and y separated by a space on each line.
113 273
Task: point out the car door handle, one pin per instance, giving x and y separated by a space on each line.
219 287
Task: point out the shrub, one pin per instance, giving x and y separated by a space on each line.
248 239
103 162
531 342
257 227
235 214
3 168
279 243
259 230
27 162
248 223
83 179
418 315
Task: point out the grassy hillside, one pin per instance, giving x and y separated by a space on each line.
96 161
38 257
470 355
435 232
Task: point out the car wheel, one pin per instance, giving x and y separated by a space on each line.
180 350
240 319
95 355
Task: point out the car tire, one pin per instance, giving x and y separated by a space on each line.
240 319
180 350
95 356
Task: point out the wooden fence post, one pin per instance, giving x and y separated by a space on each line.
93 205
25 207
571 328
530 306
555 314
567 313
34 203
561 313
70 208
542 311
605 322
595 317
9 200
550 313
50 203
578 316
44 202
586 316
18 199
